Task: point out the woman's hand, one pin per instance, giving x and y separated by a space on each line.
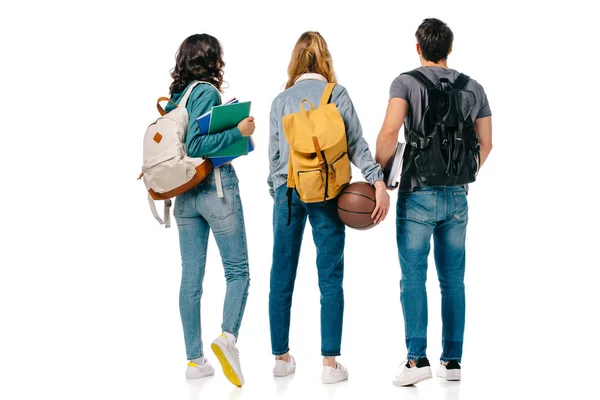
382 202
247 126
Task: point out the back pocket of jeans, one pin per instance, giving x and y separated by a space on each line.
421 206
461 206
218 207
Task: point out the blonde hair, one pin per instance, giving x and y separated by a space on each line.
310 55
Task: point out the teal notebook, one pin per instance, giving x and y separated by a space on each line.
226 117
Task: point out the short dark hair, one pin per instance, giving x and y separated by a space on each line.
435 39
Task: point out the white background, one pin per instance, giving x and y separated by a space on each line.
89 281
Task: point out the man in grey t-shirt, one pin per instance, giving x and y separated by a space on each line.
426 211
407 88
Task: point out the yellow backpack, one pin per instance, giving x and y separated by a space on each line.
319 167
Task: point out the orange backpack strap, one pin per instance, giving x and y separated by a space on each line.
326 94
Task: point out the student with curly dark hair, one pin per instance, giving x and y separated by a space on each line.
200 210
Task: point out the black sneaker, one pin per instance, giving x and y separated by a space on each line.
411 375
450 371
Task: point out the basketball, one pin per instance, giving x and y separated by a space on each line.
356 204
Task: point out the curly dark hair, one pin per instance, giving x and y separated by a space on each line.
199 58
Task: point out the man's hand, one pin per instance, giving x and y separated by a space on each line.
382 202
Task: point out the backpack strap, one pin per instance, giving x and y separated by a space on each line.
187 94
183 101
166 220
322 163
326 94
218 182
167 213
460 82
421 78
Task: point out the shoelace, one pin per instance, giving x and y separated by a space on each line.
340 366
231 344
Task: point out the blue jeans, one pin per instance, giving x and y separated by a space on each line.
441 211
197 212
329 236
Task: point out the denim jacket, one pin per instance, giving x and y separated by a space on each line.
311 86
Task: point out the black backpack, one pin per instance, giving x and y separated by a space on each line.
444 149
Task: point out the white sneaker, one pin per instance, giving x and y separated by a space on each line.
334 375
197 371
411 375
450 371
229 357
284 368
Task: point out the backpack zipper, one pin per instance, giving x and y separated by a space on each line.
337 159
326 176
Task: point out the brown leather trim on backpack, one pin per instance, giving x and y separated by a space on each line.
159 107
322 163
202 172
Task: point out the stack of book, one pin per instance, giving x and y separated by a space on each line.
221 118
393 169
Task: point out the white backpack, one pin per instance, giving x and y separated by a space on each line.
167 169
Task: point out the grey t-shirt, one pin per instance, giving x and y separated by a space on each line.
408 88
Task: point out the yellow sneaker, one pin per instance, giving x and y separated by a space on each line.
197 370
229 357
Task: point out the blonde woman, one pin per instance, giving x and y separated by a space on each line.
310 69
